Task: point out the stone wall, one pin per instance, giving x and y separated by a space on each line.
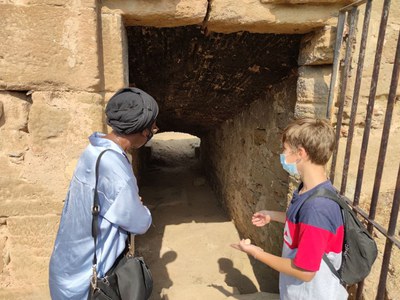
242 158
51 100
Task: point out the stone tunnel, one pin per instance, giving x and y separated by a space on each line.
236 92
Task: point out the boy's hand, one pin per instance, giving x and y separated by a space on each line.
247 247
261 218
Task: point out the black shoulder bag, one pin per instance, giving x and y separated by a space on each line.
129 278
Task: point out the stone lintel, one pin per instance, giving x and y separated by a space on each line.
254 16
158 13
344 2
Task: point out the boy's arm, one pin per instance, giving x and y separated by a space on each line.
283 265
263 217
280 264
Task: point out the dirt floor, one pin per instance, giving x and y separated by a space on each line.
188 246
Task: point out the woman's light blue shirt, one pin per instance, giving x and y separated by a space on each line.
121 211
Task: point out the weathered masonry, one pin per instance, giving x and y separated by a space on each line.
232 72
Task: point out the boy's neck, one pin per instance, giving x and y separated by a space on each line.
313 176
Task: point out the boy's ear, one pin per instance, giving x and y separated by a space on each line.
302 152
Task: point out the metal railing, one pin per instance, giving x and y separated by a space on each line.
348 18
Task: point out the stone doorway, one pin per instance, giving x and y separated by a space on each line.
234 89
236 92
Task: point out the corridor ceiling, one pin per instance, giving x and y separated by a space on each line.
200 80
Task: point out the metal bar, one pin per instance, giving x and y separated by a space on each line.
396 198
338 45
356 94
391 230
380 294
343 85
385 133
360 289
371 101
350 6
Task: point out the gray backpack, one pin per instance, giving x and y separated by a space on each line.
359 248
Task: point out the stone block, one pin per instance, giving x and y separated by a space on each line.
307 1
115 53
251 15
3 240
48 47
313 84
35 292
15 107
65 3
29 268
19 198
158 13
316 48
307 110
13 125
33 226
59 126
57 116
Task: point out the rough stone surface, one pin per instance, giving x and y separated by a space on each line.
307 1
313 84
159 13
115 52
35 251
59 126
241 186
317 47
254 16
34 57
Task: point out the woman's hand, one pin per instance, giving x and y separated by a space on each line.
261 218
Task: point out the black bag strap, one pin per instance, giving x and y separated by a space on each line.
95 216
96 208
332 195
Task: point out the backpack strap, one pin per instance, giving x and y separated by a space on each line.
332 195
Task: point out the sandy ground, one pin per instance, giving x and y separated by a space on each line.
188 246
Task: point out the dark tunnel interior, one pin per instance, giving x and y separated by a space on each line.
203 80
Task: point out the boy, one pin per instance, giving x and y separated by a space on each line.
315 229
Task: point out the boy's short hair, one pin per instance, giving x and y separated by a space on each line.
316 136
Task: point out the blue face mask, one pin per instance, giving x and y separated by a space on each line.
290 168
